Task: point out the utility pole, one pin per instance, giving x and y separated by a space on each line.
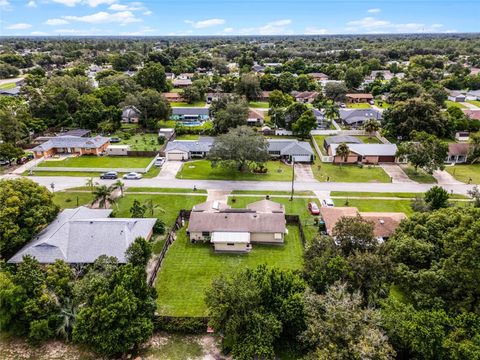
293 177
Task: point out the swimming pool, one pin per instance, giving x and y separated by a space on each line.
191 123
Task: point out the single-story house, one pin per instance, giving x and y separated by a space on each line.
457 153
258 68
472 114
305 96
365 153
118 150
81 235
10 92
181 83
173 96
72 145
381 74
186 76
130 115
357 117
234 230
190 114
338 139
322 122
318 76
385 223
212 96
290 149
462 136
456 96
180 150
255 117
473 95
169 75
359 98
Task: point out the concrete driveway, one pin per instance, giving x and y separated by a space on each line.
444 178
170 169
396 174
303 172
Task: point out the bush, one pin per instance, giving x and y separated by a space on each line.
183 325
159 227
39 332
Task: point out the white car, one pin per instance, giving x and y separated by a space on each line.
327 203
159 162
132 176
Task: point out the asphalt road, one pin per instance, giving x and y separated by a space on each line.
65 182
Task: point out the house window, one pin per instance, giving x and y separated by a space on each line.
205 233
230 244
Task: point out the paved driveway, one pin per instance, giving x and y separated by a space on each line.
444 178
396 174
169 170
303 172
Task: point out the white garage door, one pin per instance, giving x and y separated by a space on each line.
177 156
302 158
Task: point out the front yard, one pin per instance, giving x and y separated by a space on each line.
72 199
474 102
449 103
188 270
202 169
419 176
349 173
359 106
465 173
99 162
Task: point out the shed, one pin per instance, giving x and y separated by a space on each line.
118 150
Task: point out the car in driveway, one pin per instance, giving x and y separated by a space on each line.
132 176
115 140
111 175
159 162
313 208
327 203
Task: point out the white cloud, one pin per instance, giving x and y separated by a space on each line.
55 22
143 31
19 26
32 4
275 28
95 3
374 10
202 24
148 12
5 5
38 33
315 31
122 17
368 23
373 25
69 3
91 3
228 30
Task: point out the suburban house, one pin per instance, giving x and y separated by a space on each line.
186 76
456 96
356 117
258 68
318 76
365 153
462 136
181 150
10 92
255 117
473 95
190 114
81 235
234 230
130 115
457 153
305 96
358 98
385 223
173 96
74 132
72 145
182 83
290 149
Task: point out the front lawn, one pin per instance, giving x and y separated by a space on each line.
406 195
259 104
185 104
111 162
359 106
140 142
465 173
382 104
474 102
188 270
153 172
202 169
166 190
72 199
8 86
349 173
420 176
272 192
449 103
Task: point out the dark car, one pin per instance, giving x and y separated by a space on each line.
109 175
115 140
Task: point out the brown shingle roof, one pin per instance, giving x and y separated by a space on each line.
457 149
472 114
360 96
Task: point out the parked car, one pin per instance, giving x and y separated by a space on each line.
109 175
159 161
3 162
327 203
342 105
132 176
371 102
115 140
313 208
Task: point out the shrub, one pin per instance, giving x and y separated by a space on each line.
184 325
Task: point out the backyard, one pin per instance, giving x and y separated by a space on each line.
259 104
465 173
188 270
140 142
202 169
185 104
110 162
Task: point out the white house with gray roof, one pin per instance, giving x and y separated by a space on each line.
81 235
290 149
357 117
180 150
72 145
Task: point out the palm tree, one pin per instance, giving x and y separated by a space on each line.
343 151
102 195
67 316
119 185
90 183
371 126
151 207
331 112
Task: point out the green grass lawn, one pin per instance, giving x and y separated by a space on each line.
420 176
168 205
319 140
464 173
368 139
154 171
449 103
202 169
349 173
359 106
188 270
372 205
272 192
185 104
99 162
187 137
166 190
71 199
386 194
140 142
258 104
8 86
474 102
382 104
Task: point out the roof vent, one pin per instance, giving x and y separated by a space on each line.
382 221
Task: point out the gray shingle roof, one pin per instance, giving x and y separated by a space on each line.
81 235
73 142
290 147
352 116
341 139
202 144
369 149
190 111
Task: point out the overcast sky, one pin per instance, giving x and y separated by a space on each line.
236 17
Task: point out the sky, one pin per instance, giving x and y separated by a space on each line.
236 17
